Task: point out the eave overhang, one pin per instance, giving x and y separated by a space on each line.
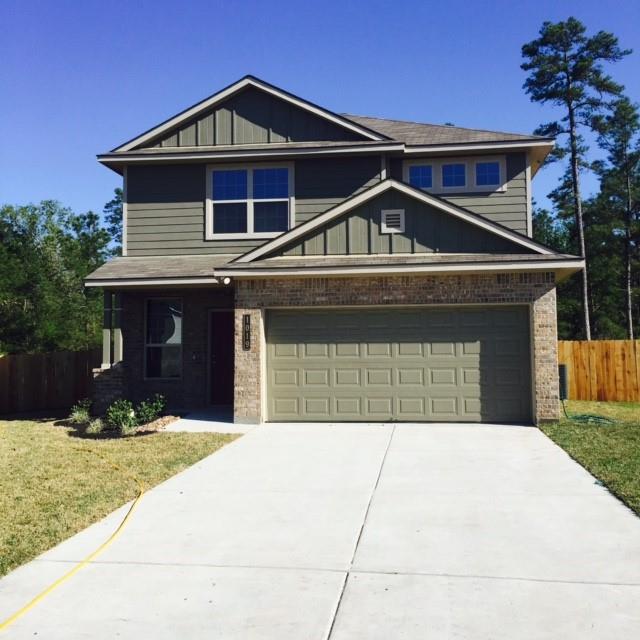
562 268
116 161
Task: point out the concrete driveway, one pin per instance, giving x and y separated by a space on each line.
309 532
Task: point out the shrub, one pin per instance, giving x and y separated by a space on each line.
150 409
94 427
121 416
80 412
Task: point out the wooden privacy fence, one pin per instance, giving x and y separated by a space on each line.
46 381
602 369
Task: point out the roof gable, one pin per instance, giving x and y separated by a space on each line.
432 225
251 111
425 229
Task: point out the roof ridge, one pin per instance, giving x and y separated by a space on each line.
441 126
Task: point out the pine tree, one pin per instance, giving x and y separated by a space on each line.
619 136
566 70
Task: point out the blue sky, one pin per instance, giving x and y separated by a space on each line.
79 78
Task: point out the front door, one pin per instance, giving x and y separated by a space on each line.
221 356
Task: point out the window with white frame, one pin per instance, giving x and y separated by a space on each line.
448 175
163 338
249 201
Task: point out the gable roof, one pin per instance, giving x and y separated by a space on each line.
427 198
418 133
243 83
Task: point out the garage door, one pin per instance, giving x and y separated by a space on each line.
467 364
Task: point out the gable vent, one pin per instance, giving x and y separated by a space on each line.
392 221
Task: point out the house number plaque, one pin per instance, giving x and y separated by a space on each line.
246 332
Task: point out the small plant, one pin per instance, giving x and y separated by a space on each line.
94 427
80 412
121 417
150 409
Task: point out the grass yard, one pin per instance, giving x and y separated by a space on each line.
52 483
611 452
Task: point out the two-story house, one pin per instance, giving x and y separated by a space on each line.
303 265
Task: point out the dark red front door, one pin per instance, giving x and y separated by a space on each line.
221 356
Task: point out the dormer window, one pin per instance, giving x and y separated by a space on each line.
249 201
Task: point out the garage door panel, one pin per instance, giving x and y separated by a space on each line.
378 407
411 377
285 377
445 364
345 377
316 350
409 349
347 349
316 377
378 349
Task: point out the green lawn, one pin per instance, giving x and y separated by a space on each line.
611 452
52 483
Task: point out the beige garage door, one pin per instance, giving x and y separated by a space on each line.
468 364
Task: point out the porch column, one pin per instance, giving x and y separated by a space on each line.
117 328
106 329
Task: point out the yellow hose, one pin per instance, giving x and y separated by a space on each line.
94 554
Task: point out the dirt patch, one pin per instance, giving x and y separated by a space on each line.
157 425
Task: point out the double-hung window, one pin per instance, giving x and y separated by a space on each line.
249 201
163 338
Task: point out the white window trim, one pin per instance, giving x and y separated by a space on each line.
146 344
209 212
470 173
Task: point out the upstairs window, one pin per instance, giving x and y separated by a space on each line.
454 175
249 201
421 176
459 176
487 174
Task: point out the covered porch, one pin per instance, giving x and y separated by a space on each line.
166 333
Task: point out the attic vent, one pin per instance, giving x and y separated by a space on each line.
392 221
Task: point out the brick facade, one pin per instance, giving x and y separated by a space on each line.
109 385
252 297
535 289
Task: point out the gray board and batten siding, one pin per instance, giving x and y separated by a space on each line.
252 117
166 203
426 230
508 208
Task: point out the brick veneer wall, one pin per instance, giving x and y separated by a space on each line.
109 385
191 390
538 289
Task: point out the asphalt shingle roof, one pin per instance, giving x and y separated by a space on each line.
417 133
154 267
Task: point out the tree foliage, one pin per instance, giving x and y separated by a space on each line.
113 217
46 251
